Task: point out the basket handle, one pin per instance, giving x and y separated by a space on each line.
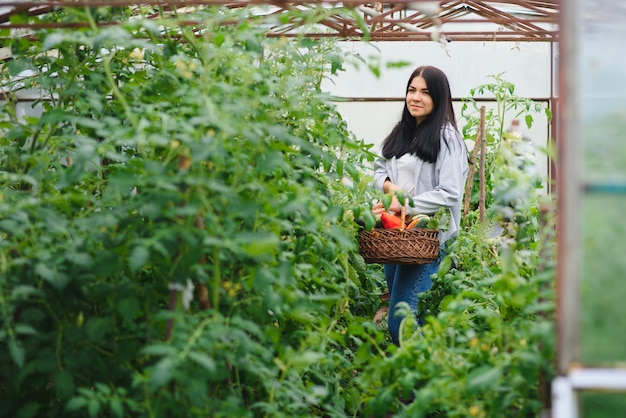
402 215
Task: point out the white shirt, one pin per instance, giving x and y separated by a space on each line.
406 173
436 185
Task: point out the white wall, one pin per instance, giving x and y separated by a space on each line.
467 64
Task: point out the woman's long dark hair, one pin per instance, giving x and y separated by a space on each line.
422 140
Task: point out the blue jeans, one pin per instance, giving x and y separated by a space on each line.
405 282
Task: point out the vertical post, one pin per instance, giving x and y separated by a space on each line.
563 399
569 195
483 151
469 183
553 130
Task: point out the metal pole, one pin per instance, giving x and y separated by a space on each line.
563 399
569 194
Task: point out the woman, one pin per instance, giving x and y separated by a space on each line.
424 157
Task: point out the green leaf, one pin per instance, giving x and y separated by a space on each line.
25 329
55 278
386 199
397 64
159 350
203 360
53 117
375 70
484 378
102 388
98 328
300 361
256 244
529 120
79 258
93 407
444 266
336 64
369 219
211 241
63 384
308 42
18 17
400 196
16 66
128 308
17 353
116 407
162 372
23 292
52 40
75 403
111 35
29 410
302 315
138 258
219 39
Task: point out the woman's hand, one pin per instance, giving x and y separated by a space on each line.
378 209
394 207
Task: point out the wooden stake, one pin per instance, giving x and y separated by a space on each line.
483 147
469 183
478 146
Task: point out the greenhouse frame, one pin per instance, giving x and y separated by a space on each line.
560 53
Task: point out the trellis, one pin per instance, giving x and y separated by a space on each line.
402 20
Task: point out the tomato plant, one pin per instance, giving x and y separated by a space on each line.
174 233
178 234
487 348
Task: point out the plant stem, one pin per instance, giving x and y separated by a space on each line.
5 311
115 89
57 351
193 338
9 98
147 403
217 279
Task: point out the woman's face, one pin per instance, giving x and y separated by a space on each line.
418 99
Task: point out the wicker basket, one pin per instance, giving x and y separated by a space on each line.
399 246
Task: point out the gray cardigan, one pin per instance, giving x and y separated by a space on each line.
439 184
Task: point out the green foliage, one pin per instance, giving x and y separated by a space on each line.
487 347
498 142
163 159
177 234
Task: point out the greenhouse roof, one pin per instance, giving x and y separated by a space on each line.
402 20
